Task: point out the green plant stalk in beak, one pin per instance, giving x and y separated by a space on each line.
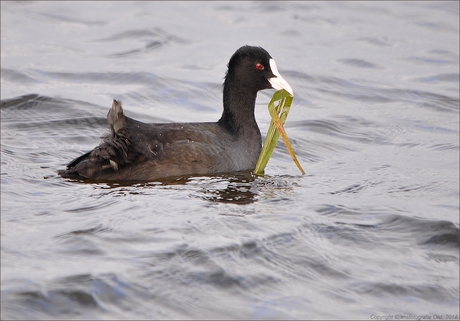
279 114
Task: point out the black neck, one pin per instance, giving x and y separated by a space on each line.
239 104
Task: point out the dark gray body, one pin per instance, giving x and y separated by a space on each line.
176 149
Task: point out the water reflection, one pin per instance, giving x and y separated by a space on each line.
236 188
232 188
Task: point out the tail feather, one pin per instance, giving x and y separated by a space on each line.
111 154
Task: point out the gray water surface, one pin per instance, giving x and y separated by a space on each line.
371 231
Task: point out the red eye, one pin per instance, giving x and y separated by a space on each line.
260 67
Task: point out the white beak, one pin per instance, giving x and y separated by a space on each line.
278 81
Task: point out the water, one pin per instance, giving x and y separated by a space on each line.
372 229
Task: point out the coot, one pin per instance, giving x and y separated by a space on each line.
135 151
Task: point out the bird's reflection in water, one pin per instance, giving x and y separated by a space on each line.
236 188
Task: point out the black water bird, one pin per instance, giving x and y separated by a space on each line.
135 151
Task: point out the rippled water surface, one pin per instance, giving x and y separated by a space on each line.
371 230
